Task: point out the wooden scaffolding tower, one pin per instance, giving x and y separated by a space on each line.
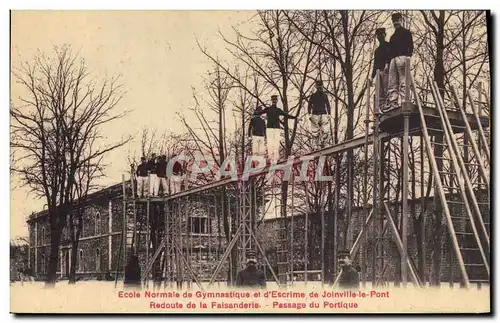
418 118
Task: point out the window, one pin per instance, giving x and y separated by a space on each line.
98 259
66 228
42 236
31 233
42 263
80 260
97 222
199 225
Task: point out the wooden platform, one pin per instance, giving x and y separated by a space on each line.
156 199
391 122
164 199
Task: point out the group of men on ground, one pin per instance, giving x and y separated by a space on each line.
389 59
253 277
152 176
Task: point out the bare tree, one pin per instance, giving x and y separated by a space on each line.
210 134
277 57
344 39
56 132
211 138
154 142
85 179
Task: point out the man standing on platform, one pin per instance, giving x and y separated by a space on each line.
381 63
273 131
152 176
175 181
257 131
251 276
161 173
349 277
401 47
319 111
142 178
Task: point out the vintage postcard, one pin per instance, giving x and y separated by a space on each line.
273 161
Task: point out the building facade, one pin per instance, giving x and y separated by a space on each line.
204 242
99 238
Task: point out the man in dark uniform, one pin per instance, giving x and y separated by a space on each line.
349 277
175 181
273 131
381 62
161 173
319 110
132 273
152 175
251 276
401 47
142 178
257 131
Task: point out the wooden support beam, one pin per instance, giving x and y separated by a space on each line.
341 147
399 244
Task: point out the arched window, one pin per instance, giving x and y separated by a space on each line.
98 260
42 263
66 228
97 222
80 260
42 237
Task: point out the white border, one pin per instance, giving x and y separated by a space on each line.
186 5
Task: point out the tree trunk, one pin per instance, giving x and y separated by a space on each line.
55 239
398 207
348 70
464 90
227 229
438 152
336 193
413 210
435 279
74 261
75 239
330 233
421 260
284 196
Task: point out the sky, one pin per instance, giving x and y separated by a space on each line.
154 52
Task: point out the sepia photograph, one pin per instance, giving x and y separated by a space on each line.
267 161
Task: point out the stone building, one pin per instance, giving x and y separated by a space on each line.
308 245
204 242
99 238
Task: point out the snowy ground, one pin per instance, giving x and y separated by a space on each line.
270 285
103 297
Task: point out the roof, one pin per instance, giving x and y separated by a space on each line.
115 190
369 206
